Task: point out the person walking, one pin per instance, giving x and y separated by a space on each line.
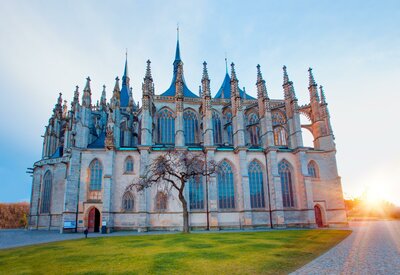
86 232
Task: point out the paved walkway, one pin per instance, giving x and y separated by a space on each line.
372 248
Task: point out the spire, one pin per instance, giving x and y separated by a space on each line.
103 99
205 71
86 97
126 64
323 98
313 87
233 73
148 71
226 64
311 80
179 81
261 88
76 94
177 51
285 75
116 86
59 100
205 81
171 91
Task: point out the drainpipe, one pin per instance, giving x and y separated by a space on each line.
77 196
268 191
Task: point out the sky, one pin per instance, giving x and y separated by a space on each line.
48 47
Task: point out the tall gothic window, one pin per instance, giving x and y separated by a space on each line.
280 133
128 202
46 193
129 165
122 130
191 126
96 175
253 129
166 127
312 169
280 136
226 191
286 183
256 185
196 194
216 120
161 201
228 128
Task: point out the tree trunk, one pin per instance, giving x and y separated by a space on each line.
185 212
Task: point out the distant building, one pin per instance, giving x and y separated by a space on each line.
92 152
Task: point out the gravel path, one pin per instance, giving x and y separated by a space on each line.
372 248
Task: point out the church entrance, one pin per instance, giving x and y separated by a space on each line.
94 220
318 216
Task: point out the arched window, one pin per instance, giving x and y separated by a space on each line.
161 201
128 202
226 191
122 130
46 193
228 128
286 183
216 120
253 130
96 175
278 118
166 127
312 169
256 185
191 127
196 194
280 136
129 165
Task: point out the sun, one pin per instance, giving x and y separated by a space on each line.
372 195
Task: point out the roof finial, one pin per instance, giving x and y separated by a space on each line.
311 78
233 73
226 64
323 98
285 75
148 70
177 31
205 71
259 75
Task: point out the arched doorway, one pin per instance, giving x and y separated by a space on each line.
94 220
318 216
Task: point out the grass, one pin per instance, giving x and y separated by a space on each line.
274 252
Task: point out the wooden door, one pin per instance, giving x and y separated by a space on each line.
318 216
91 220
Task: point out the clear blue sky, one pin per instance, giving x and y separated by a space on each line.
48 47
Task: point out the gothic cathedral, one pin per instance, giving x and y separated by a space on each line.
92 152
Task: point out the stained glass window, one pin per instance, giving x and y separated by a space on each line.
286 183
166 127
217 128
96 175
128 202
196 194
46 193
256 185
226 191
190 127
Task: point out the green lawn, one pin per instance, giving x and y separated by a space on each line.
275 252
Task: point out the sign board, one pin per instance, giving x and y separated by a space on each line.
70 224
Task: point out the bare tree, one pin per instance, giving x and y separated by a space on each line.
173 170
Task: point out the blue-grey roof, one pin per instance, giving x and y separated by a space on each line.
124 97
58 153
226 88
99 142
172 89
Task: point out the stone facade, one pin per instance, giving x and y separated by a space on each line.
88 151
